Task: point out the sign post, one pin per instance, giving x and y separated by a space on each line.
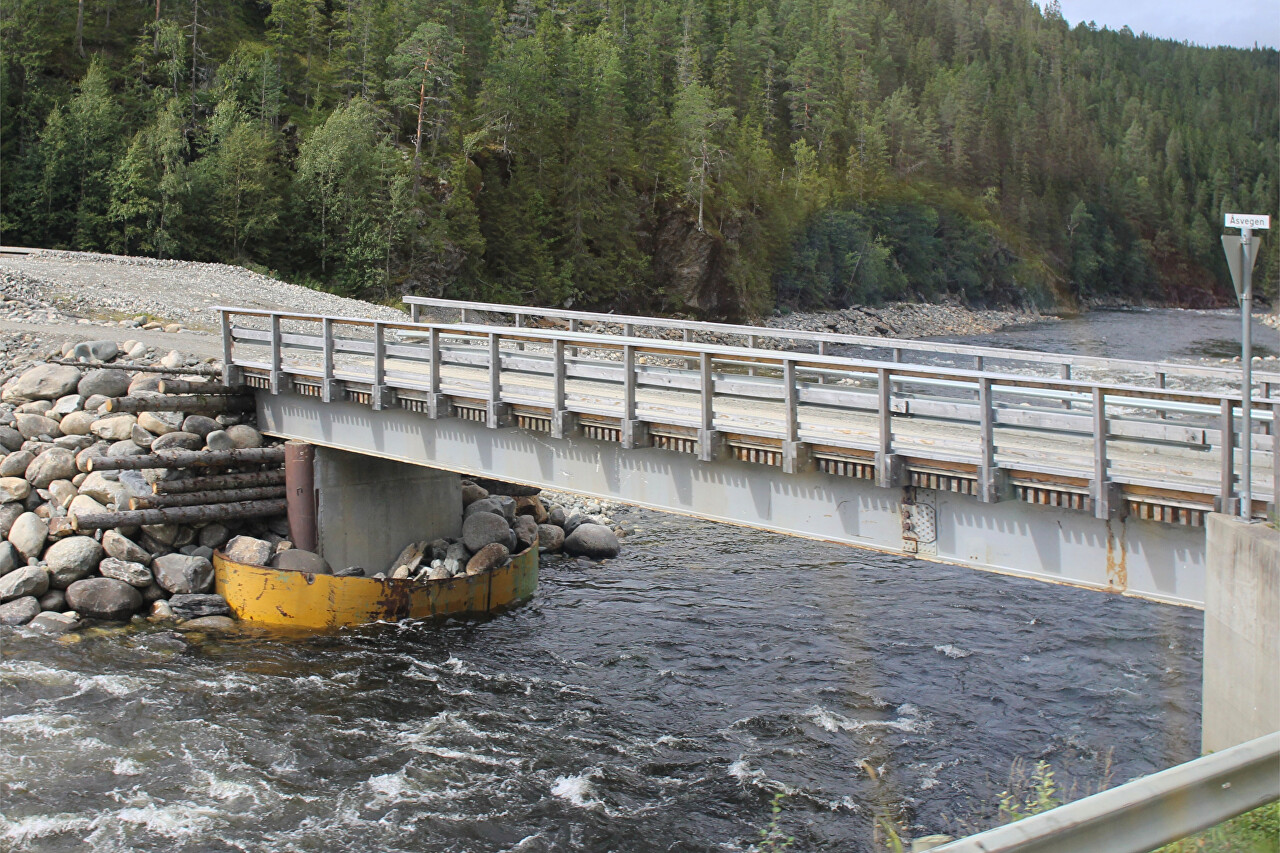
1242 253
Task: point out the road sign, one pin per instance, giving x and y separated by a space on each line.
1242 254
1247 220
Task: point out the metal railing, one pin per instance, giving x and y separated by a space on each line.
1266 384
1142 815
793 402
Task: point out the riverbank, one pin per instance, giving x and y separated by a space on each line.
907 320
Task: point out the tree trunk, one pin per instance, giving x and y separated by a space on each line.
177 515
80 28
417 139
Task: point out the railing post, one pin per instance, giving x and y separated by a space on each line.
1106 500
277 357
498 412
633 432
991 480
1275 459
823 349
1226 493
687 334
889 468
709 440
1161 381
563 422
231 375
1064 372
574 326
379 393
415 312
795 453
328 385
438 406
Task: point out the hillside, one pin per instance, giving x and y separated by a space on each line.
714 158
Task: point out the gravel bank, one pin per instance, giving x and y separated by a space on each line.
906 320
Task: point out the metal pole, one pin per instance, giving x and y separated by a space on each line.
1246 380
300 493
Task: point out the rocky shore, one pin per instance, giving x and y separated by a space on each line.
906 320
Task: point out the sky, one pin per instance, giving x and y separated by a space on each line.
1239 23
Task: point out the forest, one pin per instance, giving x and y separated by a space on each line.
712 158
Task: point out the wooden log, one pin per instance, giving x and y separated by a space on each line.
218 496
180 403
220 481
133 367
187 459
183 386
177 515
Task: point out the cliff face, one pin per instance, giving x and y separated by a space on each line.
691 268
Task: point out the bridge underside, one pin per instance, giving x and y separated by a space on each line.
1144 558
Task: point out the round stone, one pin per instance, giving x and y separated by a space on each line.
550 538
28 534
219 440
114 427
15 464
29 580
485 528
181 574
244 437
56 463
487 558
43 382
177 441
13 489
71 559
105 382
134 574
20 611
592 540
104 598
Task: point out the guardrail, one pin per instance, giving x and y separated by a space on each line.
786 405
1142 815
1267 384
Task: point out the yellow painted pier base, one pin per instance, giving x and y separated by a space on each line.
302 600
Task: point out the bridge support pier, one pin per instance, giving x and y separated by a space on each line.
369 508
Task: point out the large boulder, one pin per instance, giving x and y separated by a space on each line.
77 423
106 382
20 611
121 547
297 560
197 606
84 505
43 382
34 426
526 531
489 557
104 598
95 350
250 551
54 623
183 575
550 539
485 528
200 425
160 423
244 437
28 534
218 440
71 559
13 489
15 464
489 505
134 574
102 490
177 441
114 428
29 580
56 463
592 540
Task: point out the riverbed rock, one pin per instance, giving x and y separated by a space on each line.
56 463
219 440
28 534
13 489
248 550
9 513
15 464
42 382
213 536
490 505
141 437
102 490
160 423
104 382
145 382
66 405
9 558
180 574
196 606
486 528
297 560
556 515
71 559
61 492
526 531
244 436
489 557
349 572
114 427
550 539
29 580
177 441
209 623
472 493
200 425
104 598
52 622
134 574
95 350
84 505
592 540
20 611
54 599
34 426
532 506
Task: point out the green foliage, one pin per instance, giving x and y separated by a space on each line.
677 154
1257 831
772 836
1029 793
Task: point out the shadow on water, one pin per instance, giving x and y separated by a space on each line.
654 701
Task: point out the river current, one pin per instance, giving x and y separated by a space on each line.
657 701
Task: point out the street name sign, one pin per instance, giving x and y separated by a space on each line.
1247 220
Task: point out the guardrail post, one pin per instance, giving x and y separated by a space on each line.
890 472
277 357
823 349
231 375
1275 459
563 422
687 334
438 405
709 441
380 395
498 413
634 432
329 388
991 480
574 326
1227 501
415 312
1161 381
1107 501
795 453
1064 372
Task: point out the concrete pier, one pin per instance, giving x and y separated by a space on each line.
370 508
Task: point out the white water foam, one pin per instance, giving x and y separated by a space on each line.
577 789
909 720
953 652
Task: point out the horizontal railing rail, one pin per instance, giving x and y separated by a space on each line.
800 400
1146 813
1266 382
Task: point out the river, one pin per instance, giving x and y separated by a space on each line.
656 701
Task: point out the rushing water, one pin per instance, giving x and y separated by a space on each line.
652 702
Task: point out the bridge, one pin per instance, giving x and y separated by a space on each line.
1087 471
